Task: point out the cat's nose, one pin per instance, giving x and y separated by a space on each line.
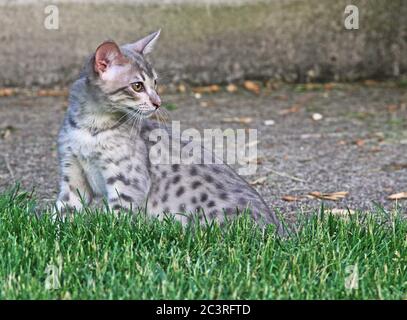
156 101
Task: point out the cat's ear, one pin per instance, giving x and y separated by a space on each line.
106 54
145 45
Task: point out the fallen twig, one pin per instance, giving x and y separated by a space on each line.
10 170
285 175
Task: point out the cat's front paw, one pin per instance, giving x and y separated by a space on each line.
62 210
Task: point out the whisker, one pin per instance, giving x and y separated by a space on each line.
162 117
166 115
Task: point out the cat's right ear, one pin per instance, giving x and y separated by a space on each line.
106 54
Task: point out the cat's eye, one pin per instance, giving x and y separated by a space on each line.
137 86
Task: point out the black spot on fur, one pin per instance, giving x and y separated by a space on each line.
224 196
175 167
193 171
180 191
117 207
165 197
204 197
111 180
196 184
176 179
109 160
208 178
155 204
219 186
126 197
213 214
119 177
211 204
163 174
66 178
72 122
216 169
119 161
167 185
193 200
135 182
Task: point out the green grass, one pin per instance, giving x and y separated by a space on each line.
101 256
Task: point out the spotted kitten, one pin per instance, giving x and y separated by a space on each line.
101 154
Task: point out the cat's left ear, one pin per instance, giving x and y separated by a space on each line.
145 45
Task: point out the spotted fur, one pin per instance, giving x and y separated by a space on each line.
104 148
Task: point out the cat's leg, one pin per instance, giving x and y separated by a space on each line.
74 189
126 189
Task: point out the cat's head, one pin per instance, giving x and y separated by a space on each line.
127 80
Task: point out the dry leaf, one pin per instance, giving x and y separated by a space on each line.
282 97
290 198
370 82
182 88
253 160
259 181
207 89
206 104
342 142
398 196
52 93
329 196
231 88
252 86
329 86
293 109
6 132
242 120
6 92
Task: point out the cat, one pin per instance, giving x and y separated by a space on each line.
99 155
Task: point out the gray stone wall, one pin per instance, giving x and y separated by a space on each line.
209 41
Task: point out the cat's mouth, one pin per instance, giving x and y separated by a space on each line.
141 111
